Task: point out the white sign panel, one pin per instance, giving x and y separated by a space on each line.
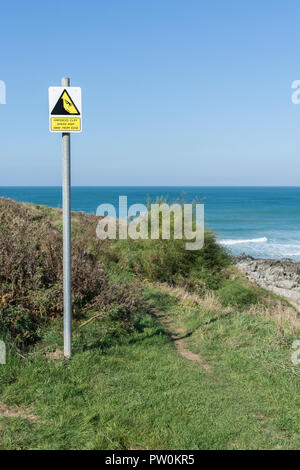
65 110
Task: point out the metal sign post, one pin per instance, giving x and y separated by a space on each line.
65 117
67 255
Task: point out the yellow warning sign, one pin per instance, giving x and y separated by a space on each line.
65 109
61 124
65 105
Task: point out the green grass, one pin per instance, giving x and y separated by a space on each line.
137 392
236 294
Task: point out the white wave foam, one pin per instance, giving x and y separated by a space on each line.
238 242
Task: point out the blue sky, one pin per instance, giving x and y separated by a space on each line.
175 92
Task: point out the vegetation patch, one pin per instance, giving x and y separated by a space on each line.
234 293
229 384
31 275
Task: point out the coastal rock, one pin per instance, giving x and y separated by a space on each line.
279 276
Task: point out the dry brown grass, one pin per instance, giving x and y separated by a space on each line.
207 302
281 312
18 412
271 306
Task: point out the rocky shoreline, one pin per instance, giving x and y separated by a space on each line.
280 276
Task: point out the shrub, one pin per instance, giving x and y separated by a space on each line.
20 323
31 275
169 261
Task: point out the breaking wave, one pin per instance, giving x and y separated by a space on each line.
238 242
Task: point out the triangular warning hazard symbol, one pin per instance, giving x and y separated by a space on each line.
65 106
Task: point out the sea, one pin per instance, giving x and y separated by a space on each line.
263 222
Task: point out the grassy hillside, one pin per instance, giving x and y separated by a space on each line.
172 349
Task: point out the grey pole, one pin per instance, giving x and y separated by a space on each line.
65 82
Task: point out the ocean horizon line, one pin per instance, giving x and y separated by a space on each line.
152 186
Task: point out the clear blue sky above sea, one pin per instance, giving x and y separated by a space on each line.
174 92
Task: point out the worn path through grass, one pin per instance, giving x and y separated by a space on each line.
175 334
